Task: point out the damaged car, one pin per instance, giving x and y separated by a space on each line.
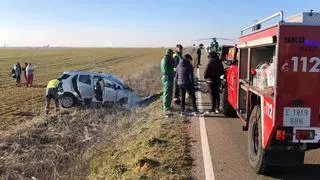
78 88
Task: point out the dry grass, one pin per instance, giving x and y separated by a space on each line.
57 147
146 82
154 148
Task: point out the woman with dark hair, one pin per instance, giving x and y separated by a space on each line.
185 81
213 72
25 72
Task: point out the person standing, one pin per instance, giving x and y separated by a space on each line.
212 73
185 80
29 74
17 73
199 56
99 89
167 72
25 72
52 94
177 57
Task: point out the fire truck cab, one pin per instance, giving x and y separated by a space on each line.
227 52
274 89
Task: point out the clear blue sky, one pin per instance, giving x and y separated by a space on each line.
132 22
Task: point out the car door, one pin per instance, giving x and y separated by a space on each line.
85 86
110 92
122 94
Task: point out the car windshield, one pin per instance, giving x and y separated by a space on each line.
64 76
115 79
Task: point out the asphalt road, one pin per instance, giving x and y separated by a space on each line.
228 149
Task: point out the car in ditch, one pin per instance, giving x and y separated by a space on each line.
77 87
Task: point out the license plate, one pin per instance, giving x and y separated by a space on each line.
293 116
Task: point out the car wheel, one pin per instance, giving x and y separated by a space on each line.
67 100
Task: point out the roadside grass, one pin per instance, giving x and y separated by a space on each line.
153 148
58 147
109 143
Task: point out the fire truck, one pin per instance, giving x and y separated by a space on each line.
273 87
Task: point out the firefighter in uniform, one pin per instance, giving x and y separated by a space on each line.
176 58
167 72
52 93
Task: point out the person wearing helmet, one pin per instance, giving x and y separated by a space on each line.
177 57
212 73
167 71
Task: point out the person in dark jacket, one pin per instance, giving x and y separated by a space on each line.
17 73
212 73
185 81
98 89
199 56
177 57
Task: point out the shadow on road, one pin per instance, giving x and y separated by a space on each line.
307 171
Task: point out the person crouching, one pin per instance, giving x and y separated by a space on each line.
52 93
185 81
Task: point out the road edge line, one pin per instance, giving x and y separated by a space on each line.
208 168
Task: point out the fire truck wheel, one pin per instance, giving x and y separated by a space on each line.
255 151
228 110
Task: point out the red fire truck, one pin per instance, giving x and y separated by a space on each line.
273 88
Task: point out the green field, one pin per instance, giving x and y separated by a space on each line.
17 103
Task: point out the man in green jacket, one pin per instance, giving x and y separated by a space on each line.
177 57
167 72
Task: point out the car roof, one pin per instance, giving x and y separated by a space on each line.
86 73
106 75
103 74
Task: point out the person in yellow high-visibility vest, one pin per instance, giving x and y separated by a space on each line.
52 93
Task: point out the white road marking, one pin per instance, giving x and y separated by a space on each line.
208 168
